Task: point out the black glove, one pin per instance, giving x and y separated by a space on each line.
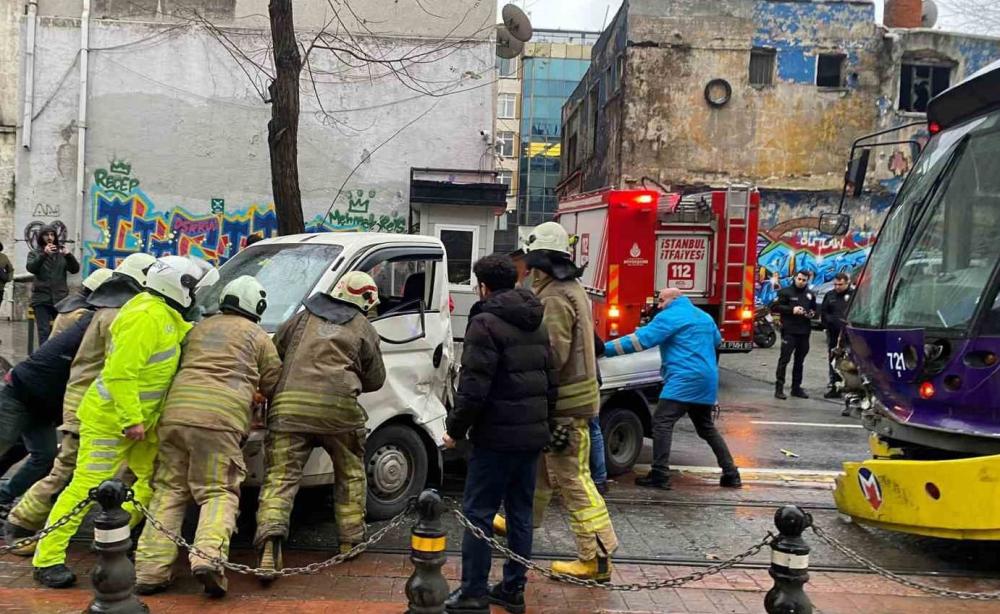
560 438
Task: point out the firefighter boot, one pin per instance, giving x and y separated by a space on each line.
597 568
779 391
270 558
499 526
56 576
13 533
213 580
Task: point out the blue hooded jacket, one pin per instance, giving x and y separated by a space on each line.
687 337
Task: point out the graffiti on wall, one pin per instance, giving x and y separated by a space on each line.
127 221
796 245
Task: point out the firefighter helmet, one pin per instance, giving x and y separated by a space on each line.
176 278
549 236
358 289
95 279
135 266
245 296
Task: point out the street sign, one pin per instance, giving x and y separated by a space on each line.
218 206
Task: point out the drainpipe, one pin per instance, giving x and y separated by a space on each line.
81 127
29 75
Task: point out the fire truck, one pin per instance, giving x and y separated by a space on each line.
635 242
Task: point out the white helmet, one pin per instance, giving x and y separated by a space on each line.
358 289
135 266
550 236
176 278
245 296
95 279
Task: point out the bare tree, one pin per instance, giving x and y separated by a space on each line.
283 129
973 16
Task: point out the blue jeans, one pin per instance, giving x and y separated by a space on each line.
494 477
39 437
598 462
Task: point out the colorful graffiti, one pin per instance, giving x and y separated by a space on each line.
128 221
796 245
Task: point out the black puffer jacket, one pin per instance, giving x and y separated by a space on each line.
507 387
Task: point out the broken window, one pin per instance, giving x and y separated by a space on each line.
505 144
592 103
918 83
830 70
761 66
620 69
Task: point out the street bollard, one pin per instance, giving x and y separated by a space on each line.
114 575
789 563
427 589
31 330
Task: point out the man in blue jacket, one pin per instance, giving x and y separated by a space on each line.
687 338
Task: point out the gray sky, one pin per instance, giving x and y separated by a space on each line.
590 14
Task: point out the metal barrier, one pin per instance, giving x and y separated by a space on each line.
113 576
427 588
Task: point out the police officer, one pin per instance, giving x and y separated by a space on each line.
29 515
797 305
121 409
225 360
330 353
833 314
74 306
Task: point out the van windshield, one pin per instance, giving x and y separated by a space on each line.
288 273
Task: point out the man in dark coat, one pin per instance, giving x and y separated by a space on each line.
506 398
833 314
49 262
797 305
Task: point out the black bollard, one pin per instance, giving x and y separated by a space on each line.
114 575
789 563
427 589
31 330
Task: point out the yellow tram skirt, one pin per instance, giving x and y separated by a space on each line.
953 499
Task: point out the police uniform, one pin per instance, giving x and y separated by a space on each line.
795 331
833 313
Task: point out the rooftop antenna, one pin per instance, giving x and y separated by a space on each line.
604 24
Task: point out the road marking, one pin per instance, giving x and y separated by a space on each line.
819 424
760 470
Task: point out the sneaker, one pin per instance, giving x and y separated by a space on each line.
832 394
597 568
457 603
800 393
652 480
214 581
731 479
56 576
512 601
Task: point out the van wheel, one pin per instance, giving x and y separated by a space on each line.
623 438
396 468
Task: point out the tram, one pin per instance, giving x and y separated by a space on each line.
922 353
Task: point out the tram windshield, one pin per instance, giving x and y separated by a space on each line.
937 251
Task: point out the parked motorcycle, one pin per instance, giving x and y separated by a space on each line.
765 333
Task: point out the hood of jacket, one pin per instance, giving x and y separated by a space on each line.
517 307
554 264
39 240
330 309
76 300
115 292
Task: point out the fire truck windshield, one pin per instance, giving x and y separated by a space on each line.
937 251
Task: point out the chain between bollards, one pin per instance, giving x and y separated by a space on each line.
427 588
789 563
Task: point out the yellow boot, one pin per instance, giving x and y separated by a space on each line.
270 558
597 568
499 526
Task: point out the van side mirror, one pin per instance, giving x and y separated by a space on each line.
834 224
857 168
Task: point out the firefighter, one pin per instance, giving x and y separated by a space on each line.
226 359
119 413
330 354
797 306
74 306
29 515
565 468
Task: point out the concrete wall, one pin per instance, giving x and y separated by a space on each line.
176 150
10 62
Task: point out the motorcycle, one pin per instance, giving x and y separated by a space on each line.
765 334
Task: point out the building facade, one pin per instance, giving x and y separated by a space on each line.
683 95
166 151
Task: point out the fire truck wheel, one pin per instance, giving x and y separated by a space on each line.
623 439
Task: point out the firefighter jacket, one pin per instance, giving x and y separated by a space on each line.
570 324
224 360
141 358
330 355
71 309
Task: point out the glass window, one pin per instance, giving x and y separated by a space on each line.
506 67
288 273
619 70
918 83
505 143
504 177
761 66
506 106
402 281
461 243
830 70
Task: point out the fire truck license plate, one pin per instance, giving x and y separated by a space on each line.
737 345
680 275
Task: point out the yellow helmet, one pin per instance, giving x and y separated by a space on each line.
358 289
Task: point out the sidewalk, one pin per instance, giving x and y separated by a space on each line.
375 584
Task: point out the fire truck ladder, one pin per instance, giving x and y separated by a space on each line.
737 208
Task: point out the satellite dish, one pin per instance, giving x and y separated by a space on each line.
928 18
517 23
508 47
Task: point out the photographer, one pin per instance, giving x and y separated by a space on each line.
49 262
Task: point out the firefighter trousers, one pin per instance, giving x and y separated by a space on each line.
196 464
568 473
33 509
286 456
102 456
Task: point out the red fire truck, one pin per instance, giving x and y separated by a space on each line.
635 242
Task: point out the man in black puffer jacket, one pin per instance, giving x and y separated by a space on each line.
506 398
